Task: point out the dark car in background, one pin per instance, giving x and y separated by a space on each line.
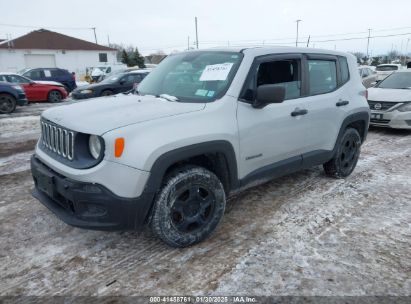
52 74
10 96
117 83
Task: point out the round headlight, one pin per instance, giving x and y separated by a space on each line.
94 146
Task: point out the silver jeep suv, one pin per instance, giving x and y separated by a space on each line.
202 125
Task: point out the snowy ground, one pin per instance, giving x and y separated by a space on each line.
304 234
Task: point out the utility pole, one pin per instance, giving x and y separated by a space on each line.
196 32
308 41
108 39
406 49
296 40
368 41
95 36
188 43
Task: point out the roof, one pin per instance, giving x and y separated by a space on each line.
389 64
266 50
47 40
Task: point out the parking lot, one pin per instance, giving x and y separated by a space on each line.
303 234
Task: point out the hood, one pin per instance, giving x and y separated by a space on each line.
100 115
395 95
92 86
49 82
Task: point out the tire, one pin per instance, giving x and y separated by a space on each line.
188 207
345 159
54 96
7 103
106 93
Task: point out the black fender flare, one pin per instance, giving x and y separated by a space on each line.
163 162
356 117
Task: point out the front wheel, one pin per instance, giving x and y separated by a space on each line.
189 207
54 96
346 156
106 93
7 103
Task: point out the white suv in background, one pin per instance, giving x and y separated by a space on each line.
203 125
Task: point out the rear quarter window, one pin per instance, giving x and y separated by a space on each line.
344 70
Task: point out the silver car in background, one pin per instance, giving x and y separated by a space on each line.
390 101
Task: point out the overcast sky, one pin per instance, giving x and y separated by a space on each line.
165 25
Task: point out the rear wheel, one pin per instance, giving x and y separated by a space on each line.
54 96
7 103
189 207
346 157
106 93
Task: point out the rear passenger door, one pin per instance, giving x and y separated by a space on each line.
327 100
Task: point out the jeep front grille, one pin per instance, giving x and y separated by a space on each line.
57 139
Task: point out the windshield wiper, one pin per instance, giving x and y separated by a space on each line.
167 97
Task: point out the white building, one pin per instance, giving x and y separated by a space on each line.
47 49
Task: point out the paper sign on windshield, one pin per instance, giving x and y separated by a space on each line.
216 72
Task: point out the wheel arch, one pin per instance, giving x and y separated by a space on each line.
359 121
217 156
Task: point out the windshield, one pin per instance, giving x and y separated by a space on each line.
195 76
386 68
113 78
400 80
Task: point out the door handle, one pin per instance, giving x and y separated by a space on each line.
342 103
298 112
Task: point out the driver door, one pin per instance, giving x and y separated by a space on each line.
272 138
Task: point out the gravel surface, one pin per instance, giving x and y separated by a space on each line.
303 234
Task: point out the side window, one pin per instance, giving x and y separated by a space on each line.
54 73
133 78
47 73
282 72
322 76
3 78
344 71
35 74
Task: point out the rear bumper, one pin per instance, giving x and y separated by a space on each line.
87 205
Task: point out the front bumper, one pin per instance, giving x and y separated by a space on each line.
77 95
391 119
22 100
87 205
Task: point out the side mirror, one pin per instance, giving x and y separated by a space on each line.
31 83
269 93
122 82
